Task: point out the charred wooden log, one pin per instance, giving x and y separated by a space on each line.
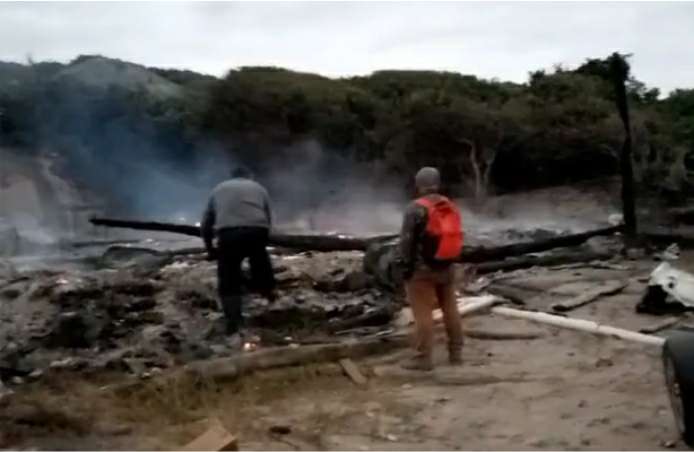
481 254
148 226
305 242
518 263
381 258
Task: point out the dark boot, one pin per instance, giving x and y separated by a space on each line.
231 305
455 353
455 356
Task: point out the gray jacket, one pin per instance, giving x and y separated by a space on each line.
236 202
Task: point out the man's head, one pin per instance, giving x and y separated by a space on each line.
427 181
241 172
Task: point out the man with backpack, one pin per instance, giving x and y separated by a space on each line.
431 240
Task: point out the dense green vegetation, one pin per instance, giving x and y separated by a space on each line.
560 126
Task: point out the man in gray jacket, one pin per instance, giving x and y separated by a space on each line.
239 213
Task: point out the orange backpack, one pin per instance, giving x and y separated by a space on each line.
444 225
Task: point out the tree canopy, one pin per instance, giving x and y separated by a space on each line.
485 135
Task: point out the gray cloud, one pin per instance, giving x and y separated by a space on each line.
489 39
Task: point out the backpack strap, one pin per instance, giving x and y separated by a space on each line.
430 203
425 202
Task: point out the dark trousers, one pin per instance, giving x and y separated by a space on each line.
235 245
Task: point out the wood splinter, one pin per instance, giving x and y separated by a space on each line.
353 372
215 438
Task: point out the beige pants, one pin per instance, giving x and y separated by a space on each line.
426 291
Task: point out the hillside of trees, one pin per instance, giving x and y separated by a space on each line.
487 136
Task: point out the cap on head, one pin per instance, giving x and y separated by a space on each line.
241 171
427 180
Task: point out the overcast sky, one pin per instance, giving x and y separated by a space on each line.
502 40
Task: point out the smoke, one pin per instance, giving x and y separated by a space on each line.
140 158
319 189
141 164
145 166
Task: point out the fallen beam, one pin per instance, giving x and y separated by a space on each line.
305 242
481 254
231 368
518 263
587 326
184 229
609 287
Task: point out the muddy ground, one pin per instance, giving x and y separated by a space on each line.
564 390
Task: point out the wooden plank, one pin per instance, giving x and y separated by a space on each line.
470 305
215 438
353 372
609 287
579 325
662 325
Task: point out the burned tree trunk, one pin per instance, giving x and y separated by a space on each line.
619 69
184 229
481 254
299 242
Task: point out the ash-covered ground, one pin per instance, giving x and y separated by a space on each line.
143 305
143 311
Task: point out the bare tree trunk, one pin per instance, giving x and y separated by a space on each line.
489 164
478 173
620 73
475 164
